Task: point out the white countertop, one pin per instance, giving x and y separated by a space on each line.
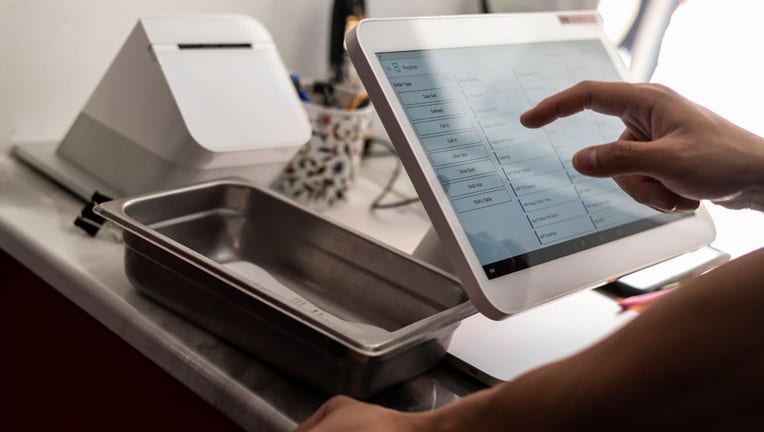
36 228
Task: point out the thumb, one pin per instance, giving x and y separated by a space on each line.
618 158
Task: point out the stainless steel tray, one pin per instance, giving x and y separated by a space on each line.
321 302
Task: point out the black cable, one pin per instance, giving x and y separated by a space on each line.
376 204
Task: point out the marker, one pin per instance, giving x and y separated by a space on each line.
298 87
639 302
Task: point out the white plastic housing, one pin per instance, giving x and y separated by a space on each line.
200 93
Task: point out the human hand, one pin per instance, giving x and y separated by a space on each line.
342 413
522 404
673 152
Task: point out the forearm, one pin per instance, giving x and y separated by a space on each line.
697 357
692 359
748 174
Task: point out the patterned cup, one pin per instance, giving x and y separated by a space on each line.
324 170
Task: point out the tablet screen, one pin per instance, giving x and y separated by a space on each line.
514 189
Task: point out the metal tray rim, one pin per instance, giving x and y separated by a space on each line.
115 211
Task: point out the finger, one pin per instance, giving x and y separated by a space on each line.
653 193
612 98
324 410
626 135
622 157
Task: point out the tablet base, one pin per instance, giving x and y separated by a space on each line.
430 250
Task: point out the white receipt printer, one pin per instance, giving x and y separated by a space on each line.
189 99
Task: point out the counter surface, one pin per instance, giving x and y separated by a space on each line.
36 228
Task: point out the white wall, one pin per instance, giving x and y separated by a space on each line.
53 52
712 54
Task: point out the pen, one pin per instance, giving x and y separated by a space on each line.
298 87
639 302
364 103
359 101
326 90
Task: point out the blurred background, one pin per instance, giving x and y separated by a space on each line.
54 52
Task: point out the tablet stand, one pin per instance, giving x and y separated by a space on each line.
430 250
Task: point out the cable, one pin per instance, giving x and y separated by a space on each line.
376 204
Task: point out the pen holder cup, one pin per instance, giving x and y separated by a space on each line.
324 170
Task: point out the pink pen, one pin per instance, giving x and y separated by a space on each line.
642 300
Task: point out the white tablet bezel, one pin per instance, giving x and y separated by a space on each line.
508 294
